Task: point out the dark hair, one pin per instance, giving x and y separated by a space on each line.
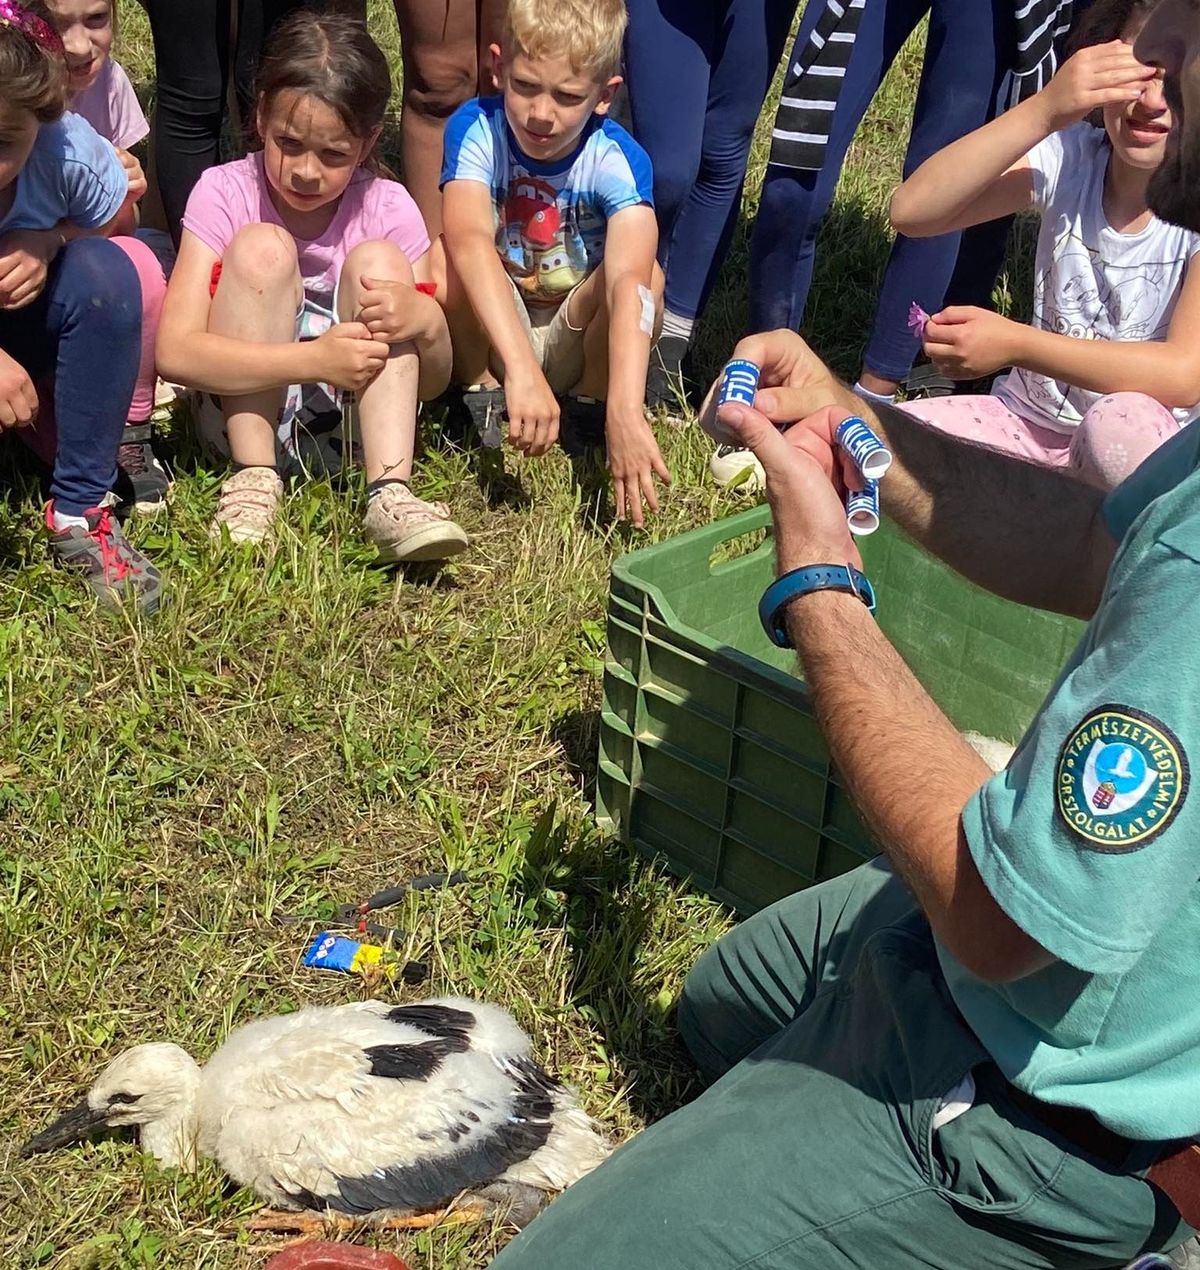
33 76
331 58
1106 20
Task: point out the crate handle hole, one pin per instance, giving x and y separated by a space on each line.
732 549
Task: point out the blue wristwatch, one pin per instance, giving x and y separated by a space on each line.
797 582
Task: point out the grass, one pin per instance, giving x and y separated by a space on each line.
299 729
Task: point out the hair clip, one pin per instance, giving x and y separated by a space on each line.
29 24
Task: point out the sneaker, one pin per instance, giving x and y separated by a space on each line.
581 427
485 406
735 468
142 482
111 565
248 504
666 379
404 527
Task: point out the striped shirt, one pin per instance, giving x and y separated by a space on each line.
814 78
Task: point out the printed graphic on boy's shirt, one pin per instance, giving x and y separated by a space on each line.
540 240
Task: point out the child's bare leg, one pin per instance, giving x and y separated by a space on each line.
387 406
401 526
472 349
257 299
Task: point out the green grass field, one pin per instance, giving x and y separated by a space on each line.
298 729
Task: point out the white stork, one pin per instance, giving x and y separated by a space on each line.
359 1111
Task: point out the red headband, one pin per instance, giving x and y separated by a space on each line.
29 24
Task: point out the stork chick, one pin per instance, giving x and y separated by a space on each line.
366 1111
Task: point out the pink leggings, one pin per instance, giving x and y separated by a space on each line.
1112 439
154 288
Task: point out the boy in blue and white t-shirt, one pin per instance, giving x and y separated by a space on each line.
550 239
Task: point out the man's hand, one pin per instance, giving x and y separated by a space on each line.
25 256
1100 75
793 384
807 476
532 410
394 312
347 356
964 342
634 460
133 174
18 397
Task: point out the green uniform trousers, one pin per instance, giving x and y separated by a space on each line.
827 1027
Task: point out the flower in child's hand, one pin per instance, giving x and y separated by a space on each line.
917 320
965 342
133 174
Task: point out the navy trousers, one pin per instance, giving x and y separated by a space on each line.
698 72
85 332
969 50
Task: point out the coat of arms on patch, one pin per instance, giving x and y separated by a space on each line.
1122 778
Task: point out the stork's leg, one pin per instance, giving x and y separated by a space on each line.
309 1223
278 1221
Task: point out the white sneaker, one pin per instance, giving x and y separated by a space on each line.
247 506
735 468
404 527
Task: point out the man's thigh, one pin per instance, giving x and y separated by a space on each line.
814 1151
763 974
818 1152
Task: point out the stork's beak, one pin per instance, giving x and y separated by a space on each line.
71 1126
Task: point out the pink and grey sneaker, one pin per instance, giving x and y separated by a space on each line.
111 565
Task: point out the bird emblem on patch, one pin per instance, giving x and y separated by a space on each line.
1122 777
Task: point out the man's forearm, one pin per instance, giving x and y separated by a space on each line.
1031 534
910 774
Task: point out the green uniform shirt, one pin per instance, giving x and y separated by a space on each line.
1090 840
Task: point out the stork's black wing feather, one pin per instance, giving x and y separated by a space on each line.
413 1062
485 1155
437 1020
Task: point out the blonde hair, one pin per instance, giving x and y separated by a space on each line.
588 33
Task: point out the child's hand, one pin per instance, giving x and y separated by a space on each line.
1100 75
532 411
18 397
133 174
347 356
634 460
25 256
964 342
394 312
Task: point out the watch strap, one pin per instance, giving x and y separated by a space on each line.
798 582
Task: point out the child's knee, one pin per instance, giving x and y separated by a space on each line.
261 255
377 259
96 277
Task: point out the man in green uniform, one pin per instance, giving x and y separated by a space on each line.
982 1050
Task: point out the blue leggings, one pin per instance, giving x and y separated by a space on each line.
969 50
698 73
84 330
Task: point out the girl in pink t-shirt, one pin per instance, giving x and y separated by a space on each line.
300 265
100 91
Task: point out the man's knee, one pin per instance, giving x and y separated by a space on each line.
438 78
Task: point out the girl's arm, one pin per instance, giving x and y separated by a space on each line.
985 175
188 353
1167 370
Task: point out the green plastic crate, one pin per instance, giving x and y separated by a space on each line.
709 754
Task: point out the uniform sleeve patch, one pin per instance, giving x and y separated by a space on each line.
1122 778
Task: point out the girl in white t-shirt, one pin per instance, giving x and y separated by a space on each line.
1109 368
